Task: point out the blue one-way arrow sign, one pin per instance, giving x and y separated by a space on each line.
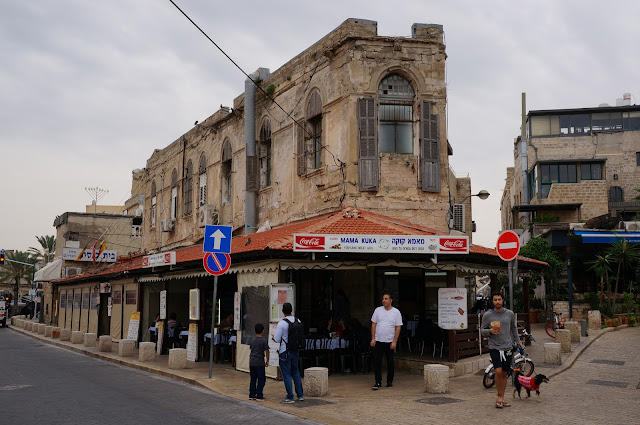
217 239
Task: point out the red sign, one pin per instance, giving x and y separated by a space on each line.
309 242
454 244
508 245
216 263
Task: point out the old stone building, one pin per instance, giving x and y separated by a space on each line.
356 119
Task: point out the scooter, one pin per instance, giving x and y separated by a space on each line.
521 361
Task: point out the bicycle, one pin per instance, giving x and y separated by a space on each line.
554 324
521 362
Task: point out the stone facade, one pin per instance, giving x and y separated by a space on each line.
345 66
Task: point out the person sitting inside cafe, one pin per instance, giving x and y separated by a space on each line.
339 327
226 324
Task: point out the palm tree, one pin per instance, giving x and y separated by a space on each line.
48 244
625 254
14 271
602 266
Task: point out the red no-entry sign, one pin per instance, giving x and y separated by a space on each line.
508 245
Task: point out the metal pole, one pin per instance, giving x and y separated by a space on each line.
570 284
510 272
213 322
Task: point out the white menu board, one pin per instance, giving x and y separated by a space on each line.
452 308
279 294
274 360
192 342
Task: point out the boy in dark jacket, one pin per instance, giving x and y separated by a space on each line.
257 363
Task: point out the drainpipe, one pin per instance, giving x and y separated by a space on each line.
251 192
523 154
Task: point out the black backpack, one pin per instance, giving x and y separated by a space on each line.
296 339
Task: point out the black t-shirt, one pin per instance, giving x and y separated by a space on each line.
258 347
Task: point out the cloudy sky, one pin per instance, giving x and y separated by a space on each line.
89 89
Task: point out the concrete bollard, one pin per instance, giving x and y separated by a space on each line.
552 353
436 378
595 319
65 334
574 328
126 347
104 343
28 326
41 327
583 328
178 358
55 332
77 337
563 337
47 330
316 381
147 352
90 340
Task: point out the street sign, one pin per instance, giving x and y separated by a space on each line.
217 239
508 245
216 263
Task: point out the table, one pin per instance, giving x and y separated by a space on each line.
216 342
330 344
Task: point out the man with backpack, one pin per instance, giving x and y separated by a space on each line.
290 335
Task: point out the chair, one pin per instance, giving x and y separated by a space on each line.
308 356
321 352
347 352
224 347
362 348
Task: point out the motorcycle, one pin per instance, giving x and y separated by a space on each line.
521 362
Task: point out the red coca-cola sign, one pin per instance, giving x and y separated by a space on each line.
452 244
305 242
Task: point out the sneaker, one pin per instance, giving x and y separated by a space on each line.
376 386
252 398
287 401
300 398
259 399
389 384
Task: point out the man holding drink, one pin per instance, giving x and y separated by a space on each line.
501 327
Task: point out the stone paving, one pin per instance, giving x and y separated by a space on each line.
586 388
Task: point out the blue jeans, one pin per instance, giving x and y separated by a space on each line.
289 369
257 381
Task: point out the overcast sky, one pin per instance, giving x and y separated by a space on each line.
89 89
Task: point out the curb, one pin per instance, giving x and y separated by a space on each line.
574 355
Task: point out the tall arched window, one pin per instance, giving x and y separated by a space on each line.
153 203
174 194
395 123
616 194
202 170
264 154
188 189
227 167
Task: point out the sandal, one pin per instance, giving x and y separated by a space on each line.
499 404
505 404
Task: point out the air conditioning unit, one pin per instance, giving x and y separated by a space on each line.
168 225
631 225
136 231
207 215
138 212
72 271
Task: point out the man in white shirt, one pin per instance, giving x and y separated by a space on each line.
386 323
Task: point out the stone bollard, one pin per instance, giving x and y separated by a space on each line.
574 328
28 326
178 358
147 352
126 347
77 337
316 381
563 337
65 334
552 353
55 332
47 330
595 319
436 378
41 327
104 343
89 340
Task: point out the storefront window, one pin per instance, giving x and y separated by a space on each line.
117 297
130 297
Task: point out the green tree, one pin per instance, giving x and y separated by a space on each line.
48 244
14 271
624 254
602 267
539 249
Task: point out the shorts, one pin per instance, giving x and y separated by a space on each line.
502 361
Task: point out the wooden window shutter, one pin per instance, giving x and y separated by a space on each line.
300 148
429 149
252 173
368 161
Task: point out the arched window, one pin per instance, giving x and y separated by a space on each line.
174 194
227 166
395 115
616 194
202 170
188 189
264 154
153 203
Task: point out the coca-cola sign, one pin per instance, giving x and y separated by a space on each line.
457 244
309 242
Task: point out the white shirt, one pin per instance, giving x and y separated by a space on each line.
282 332
386 322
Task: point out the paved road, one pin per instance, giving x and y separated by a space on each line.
41 383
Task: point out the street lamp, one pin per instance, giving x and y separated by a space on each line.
483 194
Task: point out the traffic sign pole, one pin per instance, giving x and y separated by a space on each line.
213 322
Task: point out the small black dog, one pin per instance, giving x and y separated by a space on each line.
529 384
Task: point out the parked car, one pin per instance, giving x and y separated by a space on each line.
3 313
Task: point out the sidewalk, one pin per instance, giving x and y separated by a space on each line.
350 398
